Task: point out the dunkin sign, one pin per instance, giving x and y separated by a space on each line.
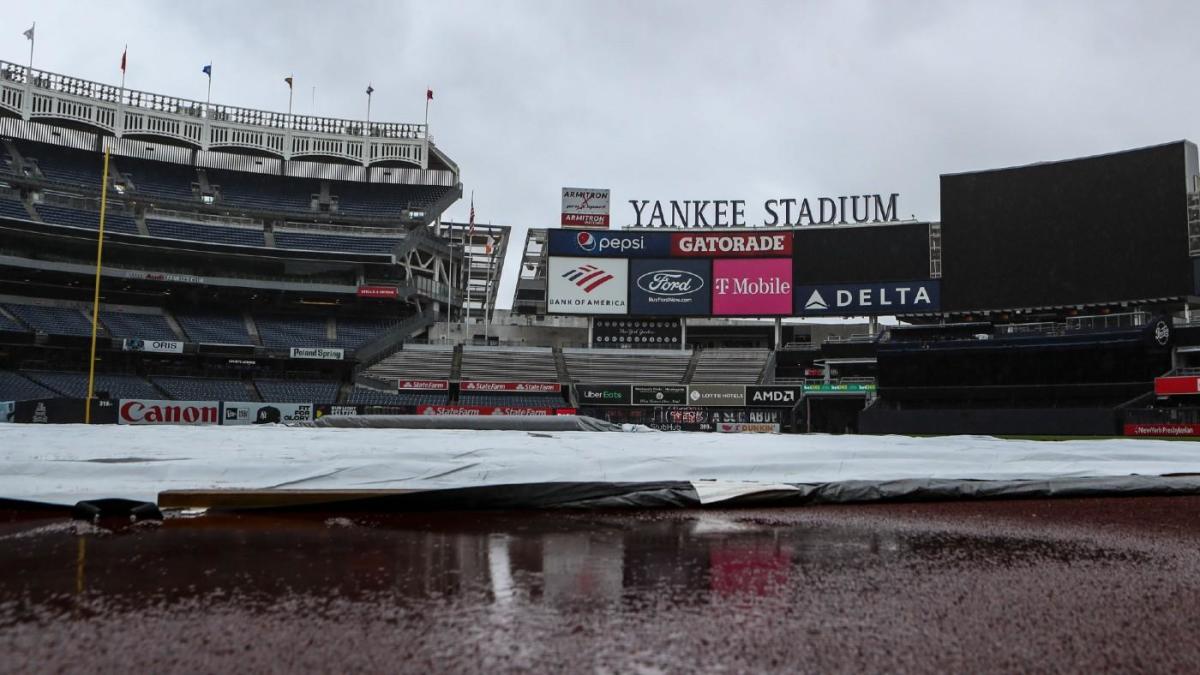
196 413
752 287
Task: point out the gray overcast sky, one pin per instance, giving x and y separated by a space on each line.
673 100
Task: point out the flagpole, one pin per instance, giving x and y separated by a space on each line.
87 409
291 91
427 97
208 96
32 40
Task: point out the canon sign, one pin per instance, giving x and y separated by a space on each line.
138 411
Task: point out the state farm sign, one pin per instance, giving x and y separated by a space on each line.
140 411
527 387
422 385
732 245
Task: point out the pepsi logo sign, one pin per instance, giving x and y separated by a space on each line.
586 241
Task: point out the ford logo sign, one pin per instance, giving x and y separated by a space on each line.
670 282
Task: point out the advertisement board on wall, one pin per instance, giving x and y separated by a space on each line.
587 286
143 411
422 385
602 243
155 346
752 287
893 297
1177 384
644 394
637 333
378 292
235 413
584 207
773 395
731 245
324 353
666 287
602 394
481 410
717 394
747 428
524 387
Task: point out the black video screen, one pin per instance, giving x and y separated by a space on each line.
866 254
1087 231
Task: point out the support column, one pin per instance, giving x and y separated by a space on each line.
591 330
682 335
873 325
778 332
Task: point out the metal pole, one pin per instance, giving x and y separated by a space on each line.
87 405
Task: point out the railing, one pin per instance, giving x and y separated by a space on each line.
143 100
1037 328
1105 321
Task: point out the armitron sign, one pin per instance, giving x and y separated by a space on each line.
584 207
139 411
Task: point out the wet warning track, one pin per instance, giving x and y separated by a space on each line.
1064 585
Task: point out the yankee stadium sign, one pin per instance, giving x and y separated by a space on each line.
783 212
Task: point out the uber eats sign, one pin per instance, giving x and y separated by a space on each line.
733 273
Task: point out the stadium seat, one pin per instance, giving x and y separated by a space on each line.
262 192
283 332
74 385
114 221
321 241
175 229
734 366
52 320
65 165
415 362
298 391
12 208
512 399
165 180
627 365
203 388
16 387
362 395
130 325
214 328
509 364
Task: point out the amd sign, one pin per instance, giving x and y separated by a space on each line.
773 396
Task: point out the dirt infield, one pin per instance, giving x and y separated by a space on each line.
1063 585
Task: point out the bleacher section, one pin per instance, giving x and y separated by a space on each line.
627 365
322 241
735 366
365 199
220 234
114 221
374 397
203 388
415 362
354 333
74 385
52 320
130 325
15 387
509 364
221 329
526 400
11 325
65 165
262 192
293 331
11 208
159 179
298 391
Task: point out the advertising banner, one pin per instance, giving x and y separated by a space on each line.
481 410
325 353
773 395
836 388
8 410
247 412
584 207
892 297
63 411
323 409
747 428
524 387
1177 384
752 287
422 385
731 245
659 394
378 292
155 346
602 394
717 394
666 287
588 286
142 411
639 333
1164 429
602 243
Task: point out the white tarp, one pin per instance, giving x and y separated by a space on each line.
67 463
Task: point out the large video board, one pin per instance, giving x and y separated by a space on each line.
738 274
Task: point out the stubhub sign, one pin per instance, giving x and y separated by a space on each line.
892 297
609 243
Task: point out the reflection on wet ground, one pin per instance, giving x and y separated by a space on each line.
1069 584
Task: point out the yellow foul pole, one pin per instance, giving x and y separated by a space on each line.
87 407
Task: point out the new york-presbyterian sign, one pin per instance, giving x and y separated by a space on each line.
784 212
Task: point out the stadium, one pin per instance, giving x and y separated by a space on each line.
317 439
258 260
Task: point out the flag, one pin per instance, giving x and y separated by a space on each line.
207 70
471 219
288 79
29 33
370 90
428 94
487 248
123 55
